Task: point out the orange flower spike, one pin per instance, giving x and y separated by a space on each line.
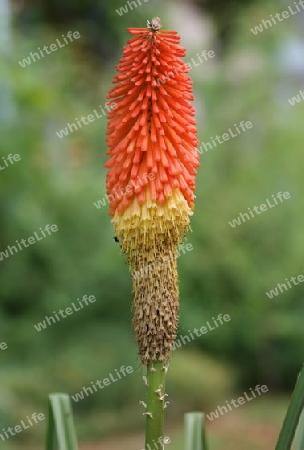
151 179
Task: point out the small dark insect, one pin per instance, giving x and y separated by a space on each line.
116 239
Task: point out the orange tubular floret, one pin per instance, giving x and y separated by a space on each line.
151 127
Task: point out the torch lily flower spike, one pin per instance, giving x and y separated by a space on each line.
151 178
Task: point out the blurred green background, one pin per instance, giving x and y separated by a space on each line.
229 270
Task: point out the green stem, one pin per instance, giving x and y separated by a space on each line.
156 373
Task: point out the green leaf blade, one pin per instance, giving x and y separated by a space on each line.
299 439
195 436
292 416
61 431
